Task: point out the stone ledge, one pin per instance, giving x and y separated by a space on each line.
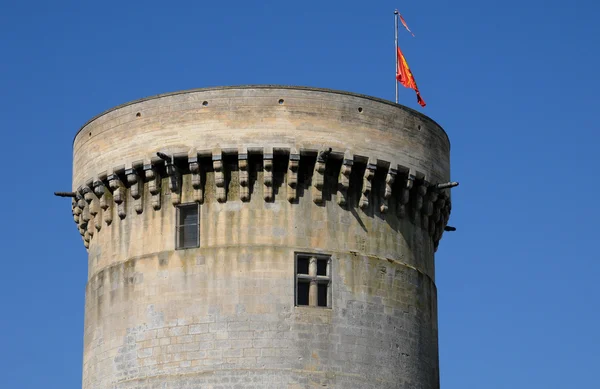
296 249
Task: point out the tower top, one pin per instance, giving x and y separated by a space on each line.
268 87
260 119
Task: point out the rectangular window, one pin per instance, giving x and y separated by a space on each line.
313 280
188 234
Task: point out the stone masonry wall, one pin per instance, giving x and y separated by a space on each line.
223 315
225 320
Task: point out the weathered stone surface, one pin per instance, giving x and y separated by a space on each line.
251 116
223 315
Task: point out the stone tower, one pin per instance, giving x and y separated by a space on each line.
261 237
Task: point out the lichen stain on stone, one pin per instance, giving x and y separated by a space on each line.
346 272
313 364
114 280
95 252
188 260
126 359
99 292
163 259
129 277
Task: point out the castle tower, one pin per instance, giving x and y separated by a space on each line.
261 237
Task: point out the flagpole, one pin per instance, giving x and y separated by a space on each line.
396 50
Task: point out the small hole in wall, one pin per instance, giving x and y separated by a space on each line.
360 109
419 127
90 134
138 115
205 103
280 101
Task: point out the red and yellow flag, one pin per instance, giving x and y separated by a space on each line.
405 25
406 78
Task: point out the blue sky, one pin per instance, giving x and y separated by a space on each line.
514 83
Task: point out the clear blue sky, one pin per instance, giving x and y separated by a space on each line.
514 83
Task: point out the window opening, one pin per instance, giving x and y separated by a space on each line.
313 280
187 226
321 268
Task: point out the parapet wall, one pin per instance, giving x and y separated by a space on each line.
260 118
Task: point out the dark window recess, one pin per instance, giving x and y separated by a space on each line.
322 295
313 280
302 293
321 267
302 267
188 235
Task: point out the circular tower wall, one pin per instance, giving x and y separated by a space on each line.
261 236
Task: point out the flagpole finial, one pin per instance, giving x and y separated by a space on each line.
395 12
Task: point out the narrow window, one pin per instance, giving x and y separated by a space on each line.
187 226
313 280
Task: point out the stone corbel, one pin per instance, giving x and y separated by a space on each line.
84 226
404 193
419 193
196 179
106 201
100 192
83 205
219 177
438 206
80 203
292 176
84 218
318 180
344 180
153 185
136 187
268 176
427 211
119 194
88 194
442 208
446 212
244 177
95 211
443 221
174 183
81 212
92 210
437 218
366 189
74 212
389 181
90 227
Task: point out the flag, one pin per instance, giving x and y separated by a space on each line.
405 25
405 76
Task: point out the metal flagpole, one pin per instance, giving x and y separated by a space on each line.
396 50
